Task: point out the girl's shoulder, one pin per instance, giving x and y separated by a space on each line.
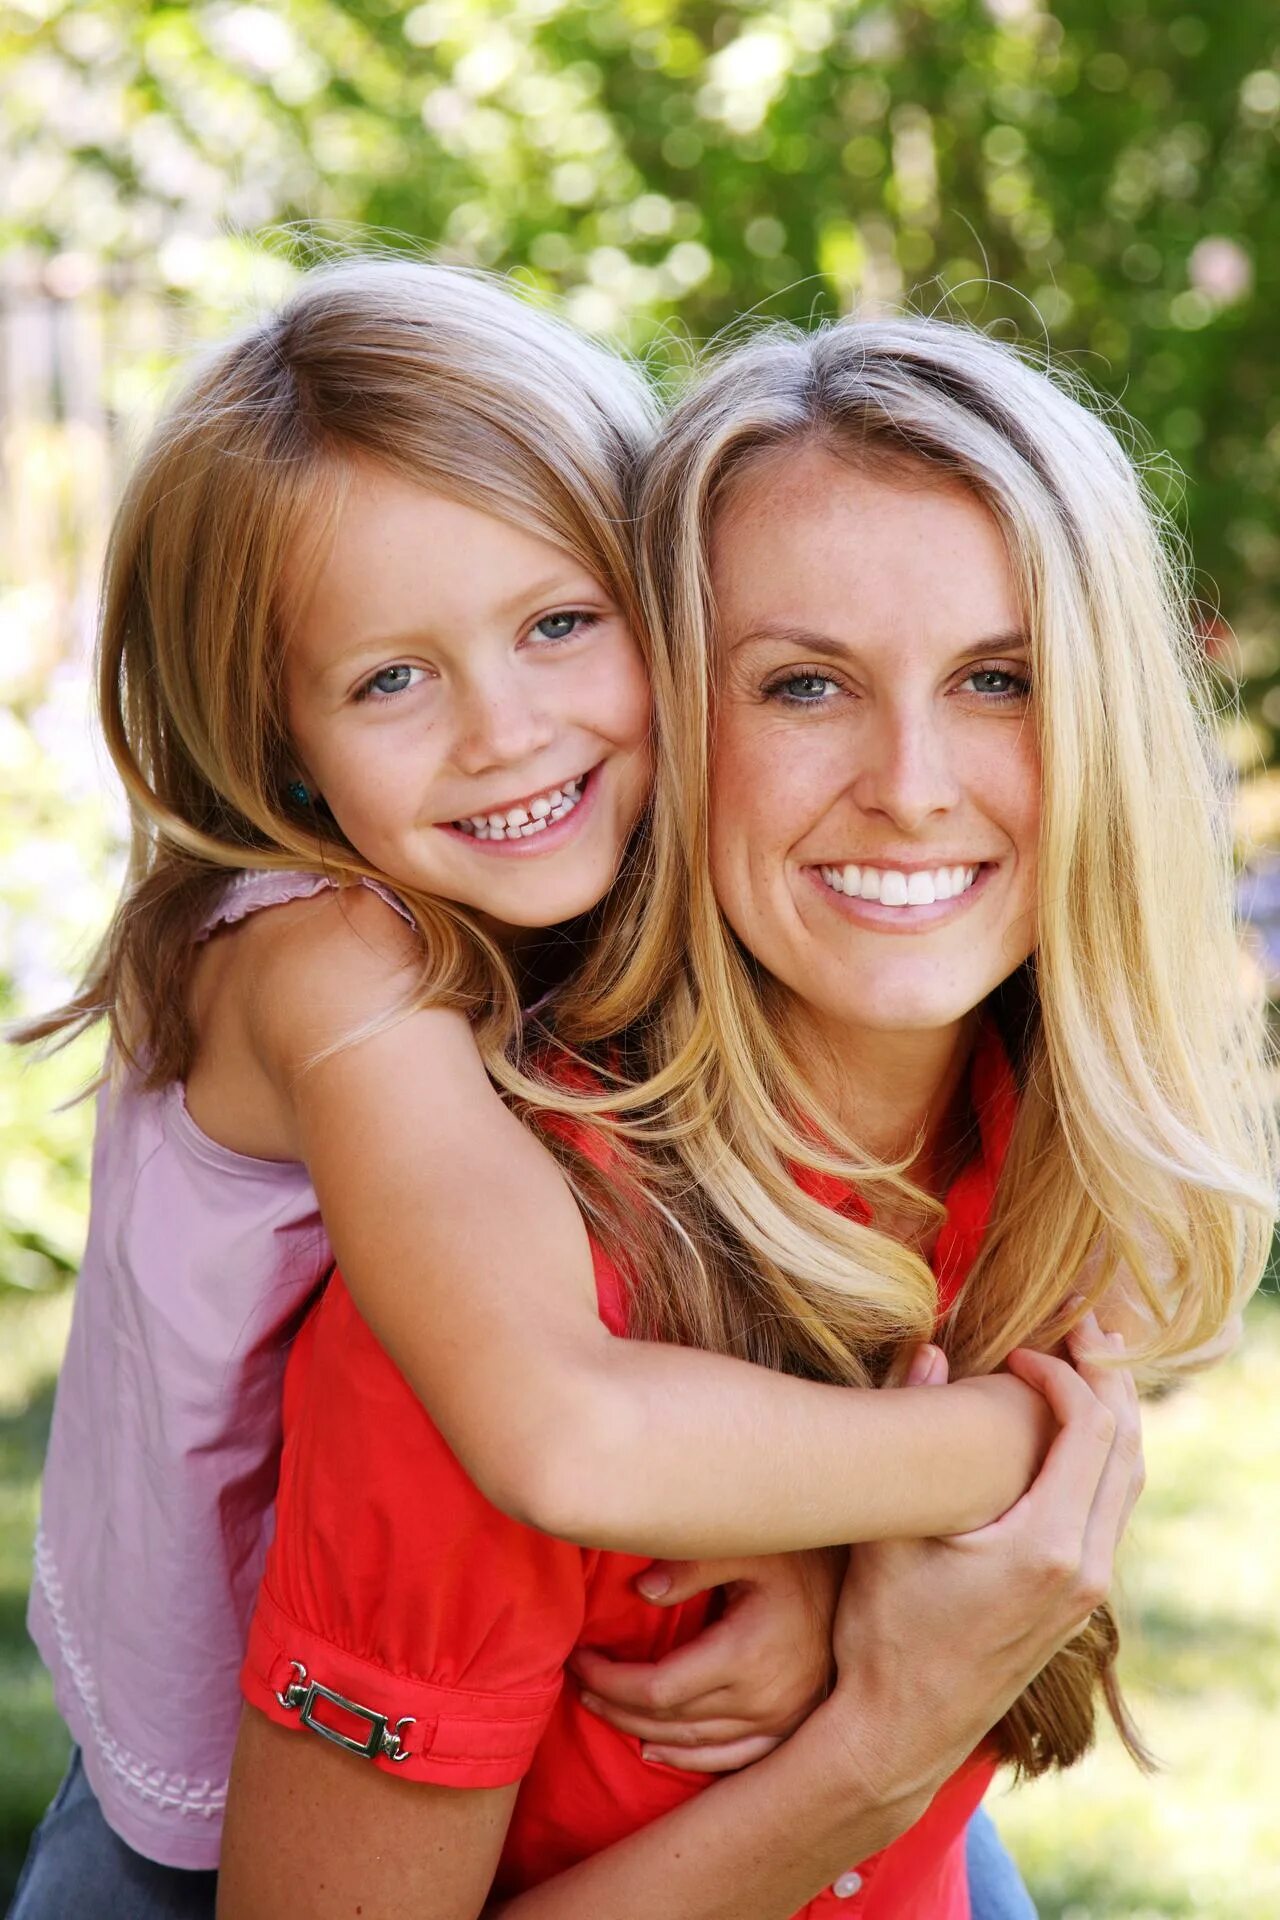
277 990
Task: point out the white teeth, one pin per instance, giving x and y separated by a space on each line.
893 888
522 822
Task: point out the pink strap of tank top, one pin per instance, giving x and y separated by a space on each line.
251 890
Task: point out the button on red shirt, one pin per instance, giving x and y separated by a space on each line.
394 1583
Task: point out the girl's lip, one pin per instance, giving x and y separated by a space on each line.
873 913
550 838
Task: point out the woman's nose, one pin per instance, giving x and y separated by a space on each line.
906 775
501 722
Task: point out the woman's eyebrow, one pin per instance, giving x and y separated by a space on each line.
783 634
808 640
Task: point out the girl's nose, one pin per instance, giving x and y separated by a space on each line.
906 776
501 722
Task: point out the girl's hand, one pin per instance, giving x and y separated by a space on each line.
958 1627
747 1681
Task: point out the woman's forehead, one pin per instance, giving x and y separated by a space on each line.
814 541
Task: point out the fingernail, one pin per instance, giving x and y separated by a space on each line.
591 1702
654 1584
651 1754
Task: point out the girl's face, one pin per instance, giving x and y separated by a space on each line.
470 704
876 785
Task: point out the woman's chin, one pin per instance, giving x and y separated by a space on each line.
895 1006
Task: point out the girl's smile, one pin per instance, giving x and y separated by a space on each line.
470 705
510 826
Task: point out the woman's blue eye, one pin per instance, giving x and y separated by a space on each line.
559 626
388 681
998 683
801 689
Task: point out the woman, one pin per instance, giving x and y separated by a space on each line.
902 530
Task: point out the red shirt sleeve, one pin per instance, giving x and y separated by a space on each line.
394 1584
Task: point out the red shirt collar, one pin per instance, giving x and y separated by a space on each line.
971 1195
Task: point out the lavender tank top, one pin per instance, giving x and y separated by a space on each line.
161 1470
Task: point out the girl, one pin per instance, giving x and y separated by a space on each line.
930 836
372 674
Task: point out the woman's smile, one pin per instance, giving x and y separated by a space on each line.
903 899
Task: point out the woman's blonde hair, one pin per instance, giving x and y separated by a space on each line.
1143 1150
437 374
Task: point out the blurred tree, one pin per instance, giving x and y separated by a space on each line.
1102 173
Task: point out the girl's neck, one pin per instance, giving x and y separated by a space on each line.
898 1094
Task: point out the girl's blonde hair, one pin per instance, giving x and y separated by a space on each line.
437 374
1143 1150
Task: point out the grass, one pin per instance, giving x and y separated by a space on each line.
1200 1591
1202 1655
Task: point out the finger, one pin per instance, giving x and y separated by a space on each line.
1074 1465
708 1731
1122 1480
676 1684
667 1582
928 1367
723 1759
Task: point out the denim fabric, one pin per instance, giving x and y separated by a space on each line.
996 1891
76 1865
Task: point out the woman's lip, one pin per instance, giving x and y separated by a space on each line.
548 840
874 913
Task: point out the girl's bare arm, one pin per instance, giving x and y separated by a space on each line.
465 1251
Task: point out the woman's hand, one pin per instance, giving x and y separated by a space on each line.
747 1681
960 1626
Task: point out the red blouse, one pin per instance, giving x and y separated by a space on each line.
443 1628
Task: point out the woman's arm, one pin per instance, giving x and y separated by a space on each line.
464 1249
934 1642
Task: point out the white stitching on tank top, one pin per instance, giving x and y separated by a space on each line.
172 1792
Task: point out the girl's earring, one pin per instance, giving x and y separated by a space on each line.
298 793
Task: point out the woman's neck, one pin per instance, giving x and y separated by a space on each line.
896 1093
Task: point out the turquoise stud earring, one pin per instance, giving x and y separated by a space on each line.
297 792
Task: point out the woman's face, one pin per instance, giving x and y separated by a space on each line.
876 784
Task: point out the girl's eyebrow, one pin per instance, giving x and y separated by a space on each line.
808 640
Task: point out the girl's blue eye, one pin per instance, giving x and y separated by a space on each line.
802 689
998 683
388 681
560 626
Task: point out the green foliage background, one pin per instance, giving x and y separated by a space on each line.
1100 177
1101 173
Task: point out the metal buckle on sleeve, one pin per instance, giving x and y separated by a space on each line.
382 1742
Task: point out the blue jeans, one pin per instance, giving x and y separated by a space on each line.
78 1869
77 1866
996 1891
